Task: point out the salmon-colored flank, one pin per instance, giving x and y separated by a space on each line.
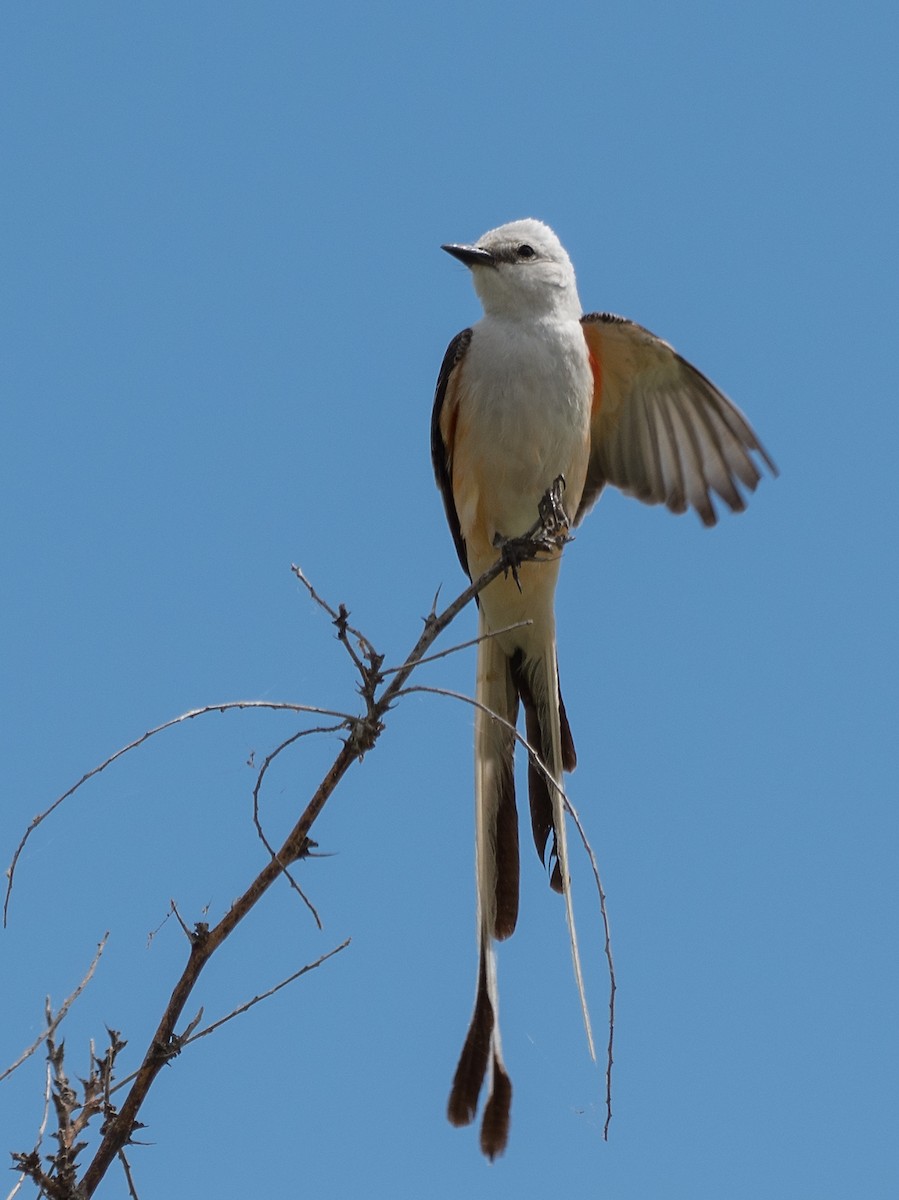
464 482
596 368
448 419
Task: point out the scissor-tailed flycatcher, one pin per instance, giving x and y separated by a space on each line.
533 391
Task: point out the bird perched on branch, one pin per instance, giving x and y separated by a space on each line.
533 392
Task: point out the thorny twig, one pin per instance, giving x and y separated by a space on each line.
74 1113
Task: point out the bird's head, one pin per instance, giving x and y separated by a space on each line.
521 270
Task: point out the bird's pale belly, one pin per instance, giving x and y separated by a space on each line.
508 455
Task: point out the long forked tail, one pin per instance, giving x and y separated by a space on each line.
482 1050
501 680
497 868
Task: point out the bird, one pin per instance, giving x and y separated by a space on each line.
533 393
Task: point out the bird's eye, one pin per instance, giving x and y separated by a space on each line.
526 251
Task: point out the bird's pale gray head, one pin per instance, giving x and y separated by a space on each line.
520 270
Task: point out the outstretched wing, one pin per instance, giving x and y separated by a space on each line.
660 430
443 431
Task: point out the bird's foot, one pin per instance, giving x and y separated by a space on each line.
553 517
549 534
514 551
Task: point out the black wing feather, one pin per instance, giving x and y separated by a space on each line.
455 352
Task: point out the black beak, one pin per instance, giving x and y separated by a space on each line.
472 256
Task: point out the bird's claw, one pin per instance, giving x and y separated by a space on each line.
514 551
549 534
552 514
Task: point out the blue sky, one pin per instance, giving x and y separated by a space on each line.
224 308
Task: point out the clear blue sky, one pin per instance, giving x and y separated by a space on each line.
224 308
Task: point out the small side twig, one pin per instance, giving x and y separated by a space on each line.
173 909
129 1178
613 986
367 662
267 762
189 1036
227 706
61 1011
265 995
482 637
34 1158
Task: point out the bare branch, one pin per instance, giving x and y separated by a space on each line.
189 1036
340 618
227 706
322 603
256 821
35 1155
483 637
64 1008
613 987
173 909
129 1178
365 731
547 536
153 932
265 995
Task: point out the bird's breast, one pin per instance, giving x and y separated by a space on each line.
523 419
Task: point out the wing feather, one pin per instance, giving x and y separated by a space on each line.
661 431
443 427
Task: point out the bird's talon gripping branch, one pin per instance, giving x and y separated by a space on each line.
363 735
552 514
548 535
513 552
